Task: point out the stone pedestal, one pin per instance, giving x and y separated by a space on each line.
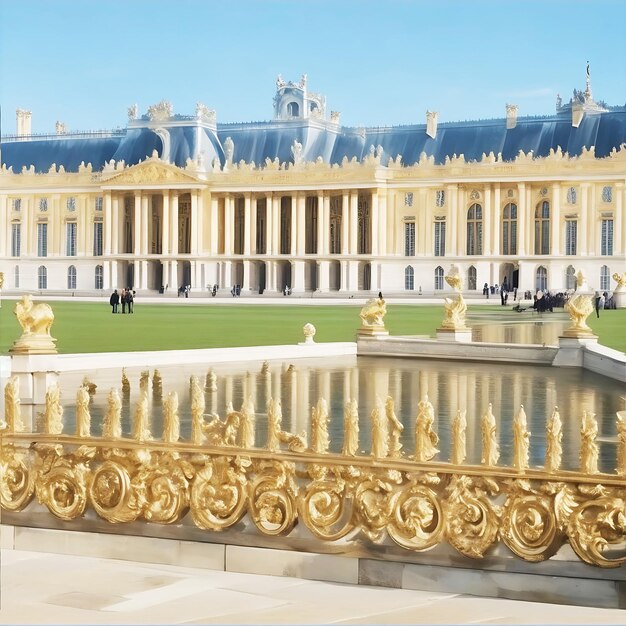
460 335
619 298
308 341
35 372
571 350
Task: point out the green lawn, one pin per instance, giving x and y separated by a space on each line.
90 327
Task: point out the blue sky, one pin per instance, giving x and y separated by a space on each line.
378 62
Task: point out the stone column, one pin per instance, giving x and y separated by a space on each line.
497 216
382 223
213 246
452 191
522 221
584 220
555 221
174 228
374 224
137 225
246 276
422 203
276 223
246 227
27 233
165 230
269 225
145 220
253 220
320 223
229 202
593 225
324 275
56 227
107 224
144 275
487 223
345 223
199 249
295 226
115 231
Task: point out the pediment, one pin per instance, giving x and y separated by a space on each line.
151 173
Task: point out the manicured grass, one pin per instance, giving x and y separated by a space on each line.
90 327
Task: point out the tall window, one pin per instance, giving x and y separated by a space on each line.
364 233
261 226
605 278
71 277
541 281
471 277
336 217
475 229
607 194
97 238
439 277
98 204
440 238
409 239
16 277
16 239
99 277
542 228
509 229
570 277
70 239
571 230
42 277
409 278
606 245
17 204
42 239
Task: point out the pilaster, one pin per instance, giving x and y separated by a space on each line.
555 239
174 227
137 225
320 224
145 221
295 226
326 226
229 202
115 231
345 223
214 229
488 222
374 224
196 231
165 229
382 223
107 223
354 222
452 191
497 221
618 219
584 220
253 222
422 203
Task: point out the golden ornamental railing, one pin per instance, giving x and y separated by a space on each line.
219 477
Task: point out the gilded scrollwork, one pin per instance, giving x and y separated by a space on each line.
325 508
17 478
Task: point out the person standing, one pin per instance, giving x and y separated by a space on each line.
114 300
124 300
130 300
599 305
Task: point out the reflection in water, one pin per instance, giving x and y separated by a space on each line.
527 327
450 386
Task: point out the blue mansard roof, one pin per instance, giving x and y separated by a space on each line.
256 142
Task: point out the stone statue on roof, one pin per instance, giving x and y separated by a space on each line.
280 83
133 112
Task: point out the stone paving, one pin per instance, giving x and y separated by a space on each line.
39 588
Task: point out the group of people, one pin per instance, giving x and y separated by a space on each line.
184 290
604 300
503 291
126 299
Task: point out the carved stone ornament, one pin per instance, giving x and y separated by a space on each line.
620 279
205 114
36 321
373 313
161 111
309 332
133 112
151 173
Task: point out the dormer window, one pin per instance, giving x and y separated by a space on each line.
293 109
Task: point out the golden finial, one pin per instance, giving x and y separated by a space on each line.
83 418
459 426
350 428
588 445
112 425
171 421
491 450
380 432
320 442
521 440
554 436
141 424
197 411
53 413
426 439
396 427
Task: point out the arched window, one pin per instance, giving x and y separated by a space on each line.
475 229
541 281
409 275
605 278
99 277
570 277
471 277
71 277
293 109
542 228
42 277
509 229
439 277
17 277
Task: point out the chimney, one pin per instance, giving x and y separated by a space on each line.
511 116
431 123
23 122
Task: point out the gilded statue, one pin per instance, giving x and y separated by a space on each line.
197 412
141 424
36 321
320 441
276 435
459 447
350 428
53 413
554 437
579 307
210 382
588 446
83 417
12 411
620 279
521 440
157 383
426 439
581 279
380 431
491 449
171 420
373 313
621 443
125 383
396 427
112 425
248 424
454 307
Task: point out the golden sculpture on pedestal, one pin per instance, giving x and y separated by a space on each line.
53 413
373 317
426 439
455 306
350 428
554 437
491 449
12 411
521 440
459 426
620 279
579 307
36 322
112 425
171 420
588 446
83 417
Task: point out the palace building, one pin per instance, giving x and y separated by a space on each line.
304 202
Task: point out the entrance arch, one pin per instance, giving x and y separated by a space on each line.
283 275
365 276
335 276
511 273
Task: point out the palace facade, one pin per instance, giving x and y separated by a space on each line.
304 202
